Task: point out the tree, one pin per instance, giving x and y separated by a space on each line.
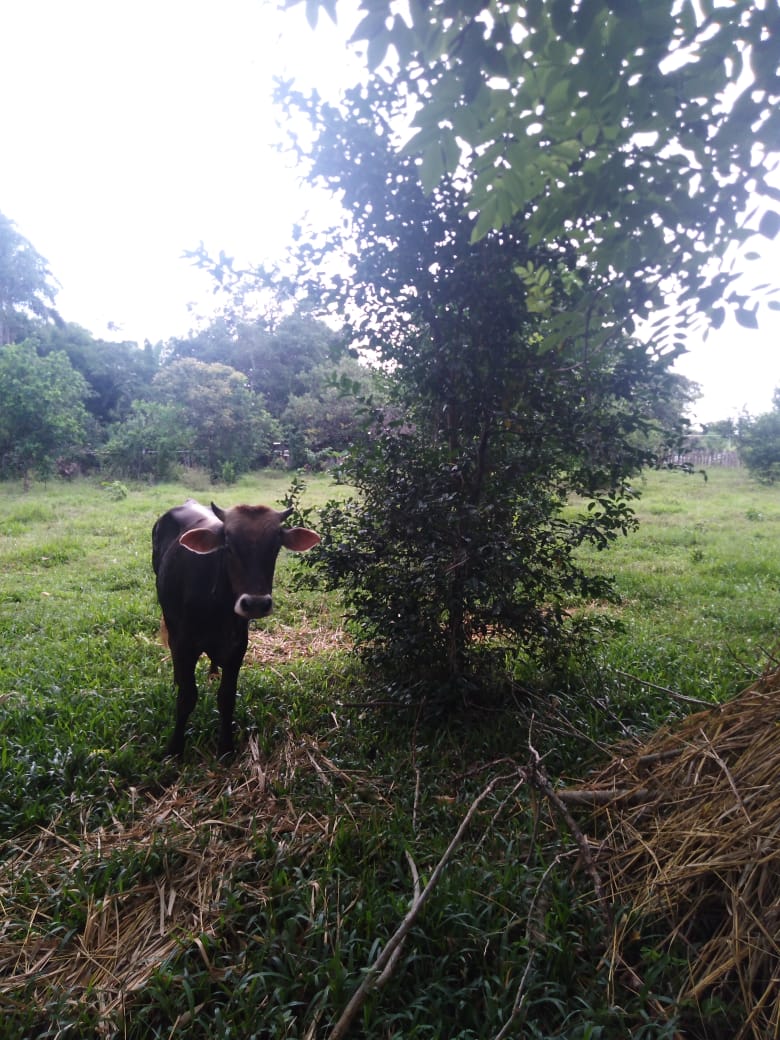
459 546
329 417
27 289
758 443
276 357
229 429
117 373
42 415
641 131
151 442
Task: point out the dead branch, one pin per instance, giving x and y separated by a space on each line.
377 969
583 796
539 778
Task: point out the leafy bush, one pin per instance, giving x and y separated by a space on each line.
43 414
460 547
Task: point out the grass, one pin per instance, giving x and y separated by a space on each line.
296 857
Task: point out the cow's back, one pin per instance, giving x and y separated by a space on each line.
172 525
186 581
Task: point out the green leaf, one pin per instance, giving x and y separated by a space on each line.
590 135
376 51
625 8
747 319
560 15
312 12
370 26
488 218
433 167
769 225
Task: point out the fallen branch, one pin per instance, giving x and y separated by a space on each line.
665 689
385 976
377 969
538 777
520 995
594 796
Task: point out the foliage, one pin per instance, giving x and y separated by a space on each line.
640 130
151 443
458 541
326 418
225 420
26 286
211 399
43 414
198 414
758 443
278 358
117 373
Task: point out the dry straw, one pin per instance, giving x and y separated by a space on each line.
691 839
189 852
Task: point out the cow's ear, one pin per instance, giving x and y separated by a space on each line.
201 540
299 539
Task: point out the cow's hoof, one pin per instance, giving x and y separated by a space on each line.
174 748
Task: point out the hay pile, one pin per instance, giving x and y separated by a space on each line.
190 842
280 644
691 825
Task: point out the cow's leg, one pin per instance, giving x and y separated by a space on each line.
226 700
235 643
184 661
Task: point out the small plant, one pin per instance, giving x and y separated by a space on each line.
115 489
229 472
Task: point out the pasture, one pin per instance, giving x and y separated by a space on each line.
144 898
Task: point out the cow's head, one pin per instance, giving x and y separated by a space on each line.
250 537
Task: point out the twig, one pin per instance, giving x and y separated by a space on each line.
383 978
540 779
665 689
712 753
578 796
377 969
416 798
517 1006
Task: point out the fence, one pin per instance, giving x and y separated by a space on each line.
727 459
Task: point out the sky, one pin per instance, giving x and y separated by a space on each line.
133 130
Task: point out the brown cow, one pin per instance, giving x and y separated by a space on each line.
215 570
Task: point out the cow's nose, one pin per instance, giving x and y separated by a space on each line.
253 606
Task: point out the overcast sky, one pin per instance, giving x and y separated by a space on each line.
132 130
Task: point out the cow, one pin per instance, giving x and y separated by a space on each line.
214 570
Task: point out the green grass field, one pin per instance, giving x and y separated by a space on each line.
142 898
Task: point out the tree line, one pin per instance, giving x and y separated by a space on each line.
234 395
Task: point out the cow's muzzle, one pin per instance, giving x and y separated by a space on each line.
253 606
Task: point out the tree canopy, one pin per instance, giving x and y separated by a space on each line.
27 288
276 357
642 131
758 442
42 415
214 398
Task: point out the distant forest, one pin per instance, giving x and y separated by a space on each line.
238 394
